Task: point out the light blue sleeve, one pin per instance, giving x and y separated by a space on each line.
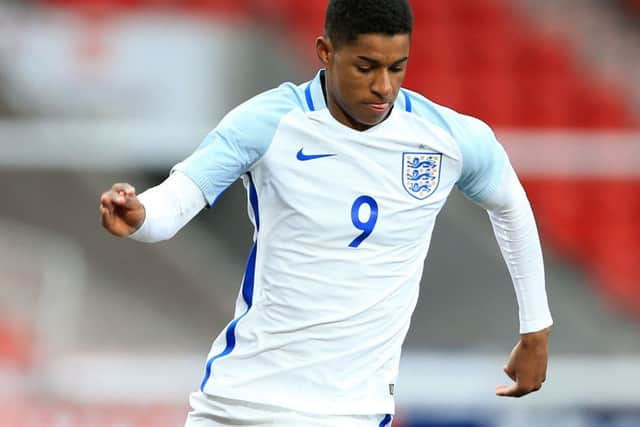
483 157
241 138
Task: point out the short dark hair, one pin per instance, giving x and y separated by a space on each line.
347 19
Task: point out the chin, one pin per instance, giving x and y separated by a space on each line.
367 119
372 121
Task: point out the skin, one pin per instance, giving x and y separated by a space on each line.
121 213
527 365
363 79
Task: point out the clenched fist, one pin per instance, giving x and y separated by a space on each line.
121 212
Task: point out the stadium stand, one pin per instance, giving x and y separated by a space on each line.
226 8
635 4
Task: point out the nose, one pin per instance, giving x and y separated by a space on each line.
381 85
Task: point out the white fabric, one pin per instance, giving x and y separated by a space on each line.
211 411
343 222
515 230
168 207
303 329
320 320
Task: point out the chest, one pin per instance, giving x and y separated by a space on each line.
382 186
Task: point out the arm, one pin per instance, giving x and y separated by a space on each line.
241 138
488 179
515 230
157 214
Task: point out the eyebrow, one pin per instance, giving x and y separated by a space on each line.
376 62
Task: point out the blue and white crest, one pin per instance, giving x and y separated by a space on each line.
421 173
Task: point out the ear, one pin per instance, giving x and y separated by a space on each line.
324 49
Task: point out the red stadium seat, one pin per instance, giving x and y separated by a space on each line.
634 4
15 344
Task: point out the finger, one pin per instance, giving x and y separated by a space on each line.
111 198
107 207
106 218
130 200
131 192
516 390
125 195
511 373
105 199
122 187
509 390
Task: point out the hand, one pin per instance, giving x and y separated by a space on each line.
121 212
527 365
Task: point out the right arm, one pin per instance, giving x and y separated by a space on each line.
157 214
230 150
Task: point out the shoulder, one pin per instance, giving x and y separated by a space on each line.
483 158
461 127
252 124
268 106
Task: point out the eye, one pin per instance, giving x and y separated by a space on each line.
363 68
396 69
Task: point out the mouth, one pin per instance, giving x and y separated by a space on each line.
379 107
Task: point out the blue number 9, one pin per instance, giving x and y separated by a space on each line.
366 227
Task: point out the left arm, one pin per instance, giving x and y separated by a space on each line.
487 178
515 230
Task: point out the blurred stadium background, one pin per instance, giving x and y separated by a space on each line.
96 331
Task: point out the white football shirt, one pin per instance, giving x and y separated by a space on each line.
343 221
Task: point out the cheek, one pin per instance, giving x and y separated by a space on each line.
347 91
355 88
397 79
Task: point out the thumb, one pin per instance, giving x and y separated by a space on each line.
512 390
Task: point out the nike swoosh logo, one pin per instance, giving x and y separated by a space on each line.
304 157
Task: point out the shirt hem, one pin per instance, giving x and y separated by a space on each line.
320 407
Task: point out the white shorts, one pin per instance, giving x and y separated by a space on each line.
213 411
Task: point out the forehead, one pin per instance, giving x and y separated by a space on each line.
380 47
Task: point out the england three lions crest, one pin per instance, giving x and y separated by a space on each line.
421 173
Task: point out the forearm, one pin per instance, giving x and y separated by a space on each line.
168 207
515 230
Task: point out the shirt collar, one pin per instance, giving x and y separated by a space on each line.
314 96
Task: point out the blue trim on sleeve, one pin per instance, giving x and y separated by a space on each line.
217 198
407 101
307 95
247 291
253 198
386 421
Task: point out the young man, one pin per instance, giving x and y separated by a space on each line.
345 175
